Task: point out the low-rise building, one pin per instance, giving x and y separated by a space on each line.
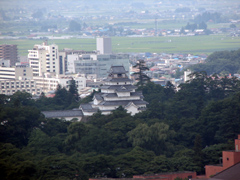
9 87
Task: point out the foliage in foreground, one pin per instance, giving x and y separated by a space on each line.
181 130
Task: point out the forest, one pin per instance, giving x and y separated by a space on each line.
180 131
220 62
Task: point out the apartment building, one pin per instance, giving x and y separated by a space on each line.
44 59
9 52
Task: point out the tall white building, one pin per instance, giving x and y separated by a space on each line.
104 45
44 59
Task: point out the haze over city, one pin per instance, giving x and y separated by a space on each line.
110 89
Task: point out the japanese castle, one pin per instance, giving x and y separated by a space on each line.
116 91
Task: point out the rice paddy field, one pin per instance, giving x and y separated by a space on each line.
163 44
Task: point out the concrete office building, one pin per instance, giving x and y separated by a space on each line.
18 78
9 52
98 64
104 45
9 87
63 57
44 59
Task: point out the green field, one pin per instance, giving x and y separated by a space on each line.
186 44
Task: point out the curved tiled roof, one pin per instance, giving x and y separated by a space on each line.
123 103
118 80
117 70
62 113
130 87
88 108
132 94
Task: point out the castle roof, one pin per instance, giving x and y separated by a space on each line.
123 103
132 94
109 79
130 87
62 113
122 89
88 108
117 70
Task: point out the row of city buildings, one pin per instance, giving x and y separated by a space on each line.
48 66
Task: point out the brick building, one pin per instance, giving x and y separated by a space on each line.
9 52
168 176
229 159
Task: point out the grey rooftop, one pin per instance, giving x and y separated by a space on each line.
62 113
118 70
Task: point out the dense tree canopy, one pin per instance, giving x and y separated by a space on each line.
222 62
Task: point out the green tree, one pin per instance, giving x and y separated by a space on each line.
73 90
232 26
18 123
74 26
60 167
151 137
198 154
134 162
140 75
202 25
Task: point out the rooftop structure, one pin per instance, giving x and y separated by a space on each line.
116 91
